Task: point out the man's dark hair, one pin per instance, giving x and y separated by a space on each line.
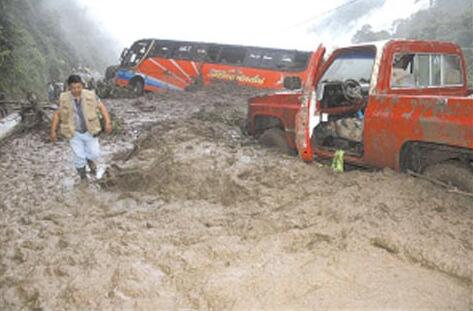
74 79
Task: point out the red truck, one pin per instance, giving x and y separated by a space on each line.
402 104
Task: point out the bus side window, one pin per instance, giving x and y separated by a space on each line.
162 49
268 60
200 53
300 60
232 55
253 58
183 51
285 61
213 53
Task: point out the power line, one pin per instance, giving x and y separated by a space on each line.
323 13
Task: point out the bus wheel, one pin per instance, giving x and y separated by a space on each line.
455 173
276 138
138 87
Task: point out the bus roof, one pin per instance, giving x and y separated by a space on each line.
218 44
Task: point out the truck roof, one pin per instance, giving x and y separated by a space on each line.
444 46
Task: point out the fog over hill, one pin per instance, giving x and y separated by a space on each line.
44 40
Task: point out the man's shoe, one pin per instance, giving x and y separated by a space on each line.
92 166
101 171
82 173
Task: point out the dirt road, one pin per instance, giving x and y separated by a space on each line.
197 216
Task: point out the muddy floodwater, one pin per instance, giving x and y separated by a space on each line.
195 215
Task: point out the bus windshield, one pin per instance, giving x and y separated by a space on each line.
131 57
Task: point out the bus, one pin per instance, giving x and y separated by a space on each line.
156 65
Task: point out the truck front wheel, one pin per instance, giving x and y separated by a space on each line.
276 138
455 173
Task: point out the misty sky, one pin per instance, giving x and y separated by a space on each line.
273 23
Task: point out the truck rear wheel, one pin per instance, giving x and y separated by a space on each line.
276 138
455 173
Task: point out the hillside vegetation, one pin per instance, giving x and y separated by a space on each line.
445 20
43 40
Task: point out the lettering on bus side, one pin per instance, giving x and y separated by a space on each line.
233 75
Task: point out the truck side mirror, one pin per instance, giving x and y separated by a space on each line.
292 83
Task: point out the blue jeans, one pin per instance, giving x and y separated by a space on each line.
85 147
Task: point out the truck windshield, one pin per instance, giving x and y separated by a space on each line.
356 65
134 55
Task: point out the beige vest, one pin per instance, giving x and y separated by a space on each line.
89 109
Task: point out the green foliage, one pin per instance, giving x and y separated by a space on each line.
366 34
445 20
35 48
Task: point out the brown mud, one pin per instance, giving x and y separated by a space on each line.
195 215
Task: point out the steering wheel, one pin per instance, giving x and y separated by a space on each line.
352 91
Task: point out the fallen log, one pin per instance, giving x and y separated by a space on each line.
9 124
16 115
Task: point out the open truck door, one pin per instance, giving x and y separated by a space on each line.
306 117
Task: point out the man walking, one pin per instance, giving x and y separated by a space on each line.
79 122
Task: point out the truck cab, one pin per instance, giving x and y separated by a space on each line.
402 104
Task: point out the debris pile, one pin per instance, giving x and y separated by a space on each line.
196 215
